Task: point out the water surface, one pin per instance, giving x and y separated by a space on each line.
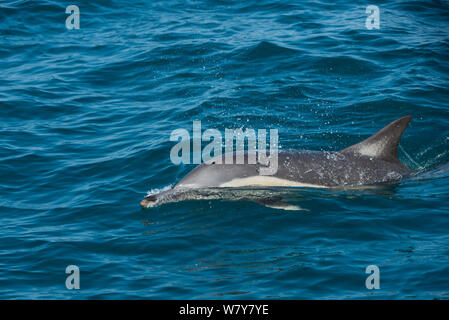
85 121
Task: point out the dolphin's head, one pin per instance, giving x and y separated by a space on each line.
149 201
165 195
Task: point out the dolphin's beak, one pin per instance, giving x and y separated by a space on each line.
148 201
144 203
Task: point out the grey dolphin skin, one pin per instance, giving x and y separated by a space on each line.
370 162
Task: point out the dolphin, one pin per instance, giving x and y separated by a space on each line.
371 162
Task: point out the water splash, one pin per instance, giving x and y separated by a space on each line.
159 190
420 167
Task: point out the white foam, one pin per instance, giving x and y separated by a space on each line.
158 190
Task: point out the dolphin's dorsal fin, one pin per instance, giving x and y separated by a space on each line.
384 143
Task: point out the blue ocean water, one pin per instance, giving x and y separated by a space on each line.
85 121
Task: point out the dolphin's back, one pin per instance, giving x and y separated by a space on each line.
333 169
371 161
